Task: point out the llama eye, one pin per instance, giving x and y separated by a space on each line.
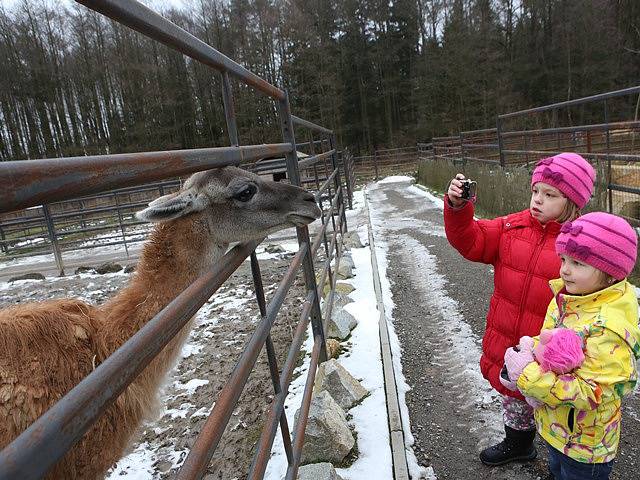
246 193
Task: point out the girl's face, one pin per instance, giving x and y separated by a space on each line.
580 278
547 202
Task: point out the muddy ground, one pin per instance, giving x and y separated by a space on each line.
221 329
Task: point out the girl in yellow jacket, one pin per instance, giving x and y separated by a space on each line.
579 415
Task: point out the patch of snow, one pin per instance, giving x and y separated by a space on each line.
191 386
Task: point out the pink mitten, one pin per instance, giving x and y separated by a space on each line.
516 361
561 351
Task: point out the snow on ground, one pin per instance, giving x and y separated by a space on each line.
363 361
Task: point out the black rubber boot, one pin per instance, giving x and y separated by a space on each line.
517 446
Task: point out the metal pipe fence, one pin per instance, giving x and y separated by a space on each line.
386 161
41 182
612 144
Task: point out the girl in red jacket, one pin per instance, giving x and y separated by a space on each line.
521 247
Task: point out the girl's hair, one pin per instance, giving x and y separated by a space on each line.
570 212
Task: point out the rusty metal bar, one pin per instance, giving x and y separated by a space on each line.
51 229
44 181
261 457
612 156
298 438
326 183
577 128
229 110
141 18
200 454
41 445
577 101
310 125
338 179
307 162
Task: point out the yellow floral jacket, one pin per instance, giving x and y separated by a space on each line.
581 412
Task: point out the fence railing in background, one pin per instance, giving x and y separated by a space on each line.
33 182
386 161
614 144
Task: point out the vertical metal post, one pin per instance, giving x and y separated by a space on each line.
124 236
346 165
375 164
608 140
462 156
54 240
338 182
229 110
3 245
302 232
500 140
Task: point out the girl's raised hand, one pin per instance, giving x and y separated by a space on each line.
455 191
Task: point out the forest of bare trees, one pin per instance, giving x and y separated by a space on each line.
379 73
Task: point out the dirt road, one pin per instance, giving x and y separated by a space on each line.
440 305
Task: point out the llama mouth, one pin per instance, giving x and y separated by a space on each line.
300 220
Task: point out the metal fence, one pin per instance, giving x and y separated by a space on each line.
64 228
384 162
37 182
523 137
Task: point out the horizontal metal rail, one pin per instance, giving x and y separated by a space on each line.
63 425
576 129
569 103
310 125
610 156
138 17
310 161
624 188
34 182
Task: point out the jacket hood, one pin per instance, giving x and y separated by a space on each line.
618 306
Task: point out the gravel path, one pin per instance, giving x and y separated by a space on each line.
440 305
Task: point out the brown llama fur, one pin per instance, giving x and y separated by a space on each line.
47 348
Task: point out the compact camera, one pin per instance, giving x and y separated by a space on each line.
468 189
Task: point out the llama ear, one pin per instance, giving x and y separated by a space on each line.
171 206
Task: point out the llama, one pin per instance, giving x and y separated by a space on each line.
47 348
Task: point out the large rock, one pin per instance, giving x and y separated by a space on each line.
335 379
340 324
340 300
352 240
327 437
109 267
341 287
345 269
318 471
28 276
333 348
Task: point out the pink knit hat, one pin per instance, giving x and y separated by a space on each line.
604 241
569 173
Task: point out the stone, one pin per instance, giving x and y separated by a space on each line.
352 240
130 268
345 269
28 276
318 471
274 248
340 300
335 379
333 347
109 267
340 324
327 437
343 288
83 269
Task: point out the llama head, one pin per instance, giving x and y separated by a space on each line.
235 205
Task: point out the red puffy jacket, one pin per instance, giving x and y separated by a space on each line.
523 254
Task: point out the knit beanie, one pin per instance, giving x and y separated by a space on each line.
602 240
569 173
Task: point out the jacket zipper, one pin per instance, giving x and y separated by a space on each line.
527 280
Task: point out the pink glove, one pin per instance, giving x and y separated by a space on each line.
559 350
515 361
